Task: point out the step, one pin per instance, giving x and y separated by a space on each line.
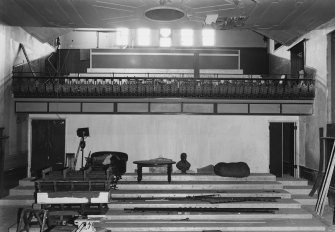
292 181
117 194
298 190
203 225
25 200
199 185
116 215
197 177
180 177
22 190
27 182
175 204
36 228
307 200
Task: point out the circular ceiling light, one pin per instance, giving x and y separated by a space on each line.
164 14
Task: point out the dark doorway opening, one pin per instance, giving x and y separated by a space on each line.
48 145
297 59
282 148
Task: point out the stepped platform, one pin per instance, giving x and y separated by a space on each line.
198 203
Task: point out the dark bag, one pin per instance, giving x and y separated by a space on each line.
239 169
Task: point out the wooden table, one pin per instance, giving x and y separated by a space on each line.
154 163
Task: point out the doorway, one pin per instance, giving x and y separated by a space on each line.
282 148
297 59
47 145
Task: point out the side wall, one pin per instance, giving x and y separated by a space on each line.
206 139
316 66
15 125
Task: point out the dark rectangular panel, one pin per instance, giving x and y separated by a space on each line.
218 62
176 61
288 148
276 149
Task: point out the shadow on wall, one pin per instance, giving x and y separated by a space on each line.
279 65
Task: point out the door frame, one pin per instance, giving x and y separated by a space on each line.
296 144
29 135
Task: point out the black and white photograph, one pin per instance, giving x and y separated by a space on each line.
167 115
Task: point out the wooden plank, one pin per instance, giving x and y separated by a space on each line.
247 225
174 204
326 182
116 215
124 194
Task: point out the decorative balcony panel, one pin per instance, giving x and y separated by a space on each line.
159 86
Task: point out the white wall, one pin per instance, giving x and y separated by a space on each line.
223 38
206 139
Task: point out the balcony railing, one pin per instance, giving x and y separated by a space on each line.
117 85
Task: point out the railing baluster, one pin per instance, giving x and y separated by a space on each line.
165 85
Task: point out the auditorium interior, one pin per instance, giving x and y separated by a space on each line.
167 115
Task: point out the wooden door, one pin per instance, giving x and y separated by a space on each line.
288 148
282 148
48 145
276 149
297 58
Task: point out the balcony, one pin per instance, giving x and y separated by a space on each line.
170 88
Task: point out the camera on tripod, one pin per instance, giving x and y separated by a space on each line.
83 132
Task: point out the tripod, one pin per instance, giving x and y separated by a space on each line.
81 147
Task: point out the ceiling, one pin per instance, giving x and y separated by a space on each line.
281 20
